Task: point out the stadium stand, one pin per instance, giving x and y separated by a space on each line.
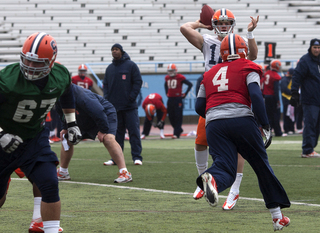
149 30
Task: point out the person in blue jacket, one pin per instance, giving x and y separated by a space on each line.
121 86
307 76
96 117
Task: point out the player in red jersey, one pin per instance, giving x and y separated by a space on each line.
225 97
173 86
152 104
271 96
223 23
81 79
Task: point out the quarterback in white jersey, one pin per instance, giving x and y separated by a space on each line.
223 22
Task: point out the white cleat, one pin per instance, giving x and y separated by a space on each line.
210 189
198 194
230 201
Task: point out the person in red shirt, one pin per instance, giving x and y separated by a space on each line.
226 94
173 87
81 79
152 104
271 96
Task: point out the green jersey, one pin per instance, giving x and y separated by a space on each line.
25 107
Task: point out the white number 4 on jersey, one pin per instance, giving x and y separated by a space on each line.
223 81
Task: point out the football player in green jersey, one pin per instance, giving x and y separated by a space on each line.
28 91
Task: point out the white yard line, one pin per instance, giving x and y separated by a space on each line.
164 191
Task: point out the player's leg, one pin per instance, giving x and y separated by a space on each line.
66 153
116 154
146 128
233 195
36 223
222 173
44 176
4 186
200 153
178 117
171 111
251 147
133 125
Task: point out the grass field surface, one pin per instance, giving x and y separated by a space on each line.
160 197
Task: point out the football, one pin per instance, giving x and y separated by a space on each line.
206 14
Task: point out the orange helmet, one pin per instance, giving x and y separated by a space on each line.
275 65
226 17
37 56
172 70
233 47
82 67
82 70
150 110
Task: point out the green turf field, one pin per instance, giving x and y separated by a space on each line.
160 197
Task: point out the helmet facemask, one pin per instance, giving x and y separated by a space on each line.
82 73
223 30
172 73
40 68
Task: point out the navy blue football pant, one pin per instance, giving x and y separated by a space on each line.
147 124
37 161
129 119
273 113
227 137
310 134
298 113
175 113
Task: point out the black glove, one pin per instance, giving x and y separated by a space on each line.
295 99
160 124
9 142
74 133
267 133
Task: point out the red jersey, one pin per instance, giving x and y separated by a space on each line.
228 84
174 85
86 83
270 77
157 101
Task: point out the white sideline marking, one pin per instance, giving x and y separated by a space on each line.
165 191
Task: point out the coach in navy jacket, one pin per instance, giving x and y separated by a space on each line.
307 76
121 86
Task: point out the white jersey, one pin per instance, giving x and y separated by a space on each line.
211 50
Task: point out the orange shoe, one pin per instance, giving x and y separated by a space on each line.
37 227
55 139
19 173
124 177
278 223
198 193
311 155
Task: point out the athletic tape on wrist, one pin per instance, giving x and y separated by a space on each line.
70 117
250 35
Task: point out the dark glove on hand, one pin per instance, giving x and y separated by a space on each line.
267 133
160 124
74 133
295 99
9 142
